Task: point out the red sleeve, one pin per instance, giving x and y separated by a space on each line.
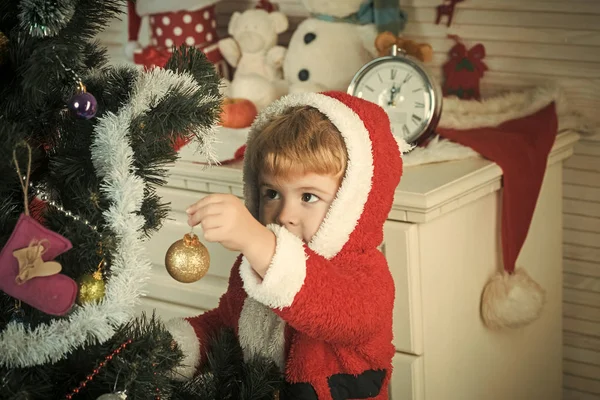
193 334
345 300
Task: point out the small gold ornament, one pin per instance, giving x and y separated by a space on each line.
91 287
187 260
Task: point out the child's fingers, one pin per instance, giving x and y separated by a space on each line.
211 209
210 199
211 222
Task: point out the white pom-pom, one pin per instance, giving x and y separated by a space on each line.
511 300
130 48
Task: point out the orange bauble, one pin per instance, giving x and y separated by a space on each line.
237 113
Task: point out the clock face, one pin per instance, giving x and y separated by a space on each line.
403 92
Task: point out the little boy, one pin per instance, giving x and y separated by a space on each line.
310 291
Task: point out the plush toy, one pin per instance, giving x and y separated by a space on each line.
174 23
252 50
385 41
327 49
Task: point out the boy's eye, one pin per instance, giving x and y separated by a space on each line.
309 198
271 194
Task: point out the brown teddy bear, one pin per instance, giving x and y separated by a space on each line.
385 40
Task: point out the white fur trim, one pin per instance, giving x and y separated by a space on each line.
469 114
112 157
438 150
261 333
347 207
285 275
403 146
511 301
130 48
184 334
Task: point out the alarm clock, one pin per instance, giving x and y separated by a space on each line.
404 88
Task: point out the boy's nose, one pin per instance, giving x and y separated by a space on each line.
287 215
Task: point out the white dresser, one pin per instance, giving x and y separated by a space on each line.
442 242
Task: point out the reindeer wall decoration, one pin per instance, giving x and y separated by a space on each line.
446 9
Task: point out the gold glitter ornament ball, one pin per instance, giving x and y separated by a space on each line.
91 288
187 260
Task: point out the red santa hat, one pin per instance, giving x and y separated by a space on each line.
517 132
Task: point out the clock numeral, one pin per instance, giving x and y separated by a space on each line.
405 130
416 119
393 72
379 76
407 78
419 105
417 89
370 88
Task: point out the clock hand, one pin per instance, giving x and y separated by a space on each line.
392 95
397 92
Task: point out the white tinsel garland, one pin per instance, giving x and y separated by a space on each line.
112 157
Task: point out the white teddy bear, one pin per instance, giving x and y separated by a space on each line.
327 49
252 50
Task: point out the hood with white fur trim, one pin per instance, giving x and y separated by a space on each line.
355 219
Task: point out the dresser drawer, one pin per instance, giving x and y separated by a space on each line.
401 249
407 378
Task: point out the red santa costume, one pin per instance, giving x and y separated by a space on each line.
174 23
323 311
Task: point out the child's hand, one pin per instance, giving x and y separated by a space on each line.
224 219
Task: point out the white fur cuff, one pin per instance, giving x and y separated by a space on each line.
285 275
184 334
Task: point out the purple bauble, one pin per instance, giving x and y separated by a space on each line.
83 105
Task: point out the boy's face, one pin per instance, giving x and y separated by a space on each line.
299 203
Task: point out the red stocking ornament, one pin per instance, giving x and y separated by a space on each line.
464 70
26 270
173 24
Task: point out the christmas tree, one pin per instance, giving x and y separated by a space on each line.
82 148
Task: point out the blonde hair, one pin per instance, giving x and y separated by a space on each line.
300 140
